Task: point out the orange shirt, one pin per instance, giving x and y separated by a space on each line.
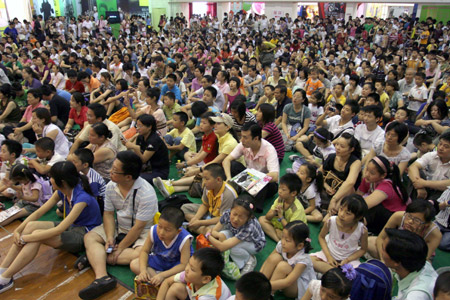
312 86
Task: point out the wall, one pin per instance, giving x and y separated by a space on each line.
273 9
440 13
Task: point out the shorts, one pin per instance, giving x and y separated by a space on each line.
72 238
30 208
192 208
309 145
139 242
321 256
158 264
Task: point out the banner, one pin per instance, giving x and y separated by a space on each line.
133 7
332 9
106 5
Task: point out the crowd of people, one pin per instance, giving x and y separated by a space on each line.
91 122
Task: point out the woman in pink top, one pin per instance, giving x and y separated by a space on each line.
383 192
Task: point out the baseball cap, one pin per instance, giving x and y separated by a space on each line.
223 118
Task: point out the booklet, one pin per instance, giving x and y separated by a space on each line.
6 214
251 180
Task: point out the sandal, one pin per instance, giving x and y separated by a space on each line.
81 263
97 288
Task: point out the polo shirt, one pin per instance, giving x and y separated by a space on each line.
209 145
219 203
433 167
175 90
295 212
145 204
170 111
28 114
81 118
265 160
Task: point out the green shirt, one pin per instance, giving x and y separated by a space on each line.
22 100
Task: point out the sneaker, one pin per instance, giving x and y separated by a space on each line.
6 286
165 187
294 157
249 265
97 288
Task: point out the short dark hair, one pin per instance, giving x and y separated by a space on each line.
282 88
400 129
37 93
45 143
43 113
98 110
407 248
131 163
198 108
441 285
423 207
375 109
173 215
216 171
334 279
85 156
148 120
172 76
374 96
183 116
247 283
13 147
212 90
255 129
292 181
422 137
356 204
354 106
211 261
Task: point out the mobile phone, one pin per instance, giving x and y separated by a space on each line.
109 250
332 109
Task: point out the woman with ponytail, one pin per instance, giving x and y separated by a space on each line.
81 214
104 151
383 192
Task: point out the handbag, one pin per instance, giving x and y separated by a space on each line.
195 189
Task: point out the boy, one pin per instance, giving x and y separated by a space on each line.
180 139
336 95
200 280
170 107
10 154
166 250
45 151
339 124
170 86
424 143
441 288
245 287
417 95
369 133
218 196
285 209
339 76
401 115
380 86
313 83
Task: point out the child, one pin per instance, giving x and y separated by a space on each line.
347 236
369 133
441 288
424 143
285 209
245 287
289 267
218 196
10 154
32 192
313 83
335 284
317 148
380 87
199 281
337 95
240 233
180 139
45 151
170 107
315 105
166 250
312 186
417 95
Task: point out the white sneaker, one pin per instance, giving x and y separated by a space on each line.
293 157
164 186
249 265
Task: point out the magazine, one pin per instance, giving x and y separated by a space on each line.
6 214
251 180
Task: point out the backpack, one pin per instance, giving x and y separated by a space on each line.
373 282
47 189
174 201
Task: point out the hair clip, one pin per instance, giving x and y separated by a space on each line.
308 240
349 271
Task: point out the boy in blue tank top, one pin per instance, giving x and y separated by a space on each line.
166 251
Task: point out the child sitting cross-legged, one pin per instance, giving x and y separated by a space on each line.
347 236
47 157
199 281
166 251
285 209
289 267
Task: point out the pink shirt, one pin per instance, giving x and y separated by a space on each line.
266 160
29 111
393 202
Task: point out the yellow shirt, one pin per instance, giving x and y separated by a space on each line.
341 100
384 98
227 143
187 138
293 213
446 89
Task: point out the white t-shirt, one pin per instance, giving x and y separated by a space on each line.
316 111
366 138
334 127
62 144
417 93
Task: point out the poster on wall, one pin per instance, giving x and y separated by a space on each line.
46 8
308 11
333 9
3 16
106 5
133 7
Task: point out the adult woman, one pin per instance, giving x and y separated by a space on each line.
11 113
77 113
151 149
31 78
270 132
42 70
43 127
276 76
391 147
104 151
383 192
341 170
240 114
436 120
81 214
296 117
418 218
230 97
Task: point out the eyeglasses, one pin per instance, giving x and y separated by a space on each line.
415 220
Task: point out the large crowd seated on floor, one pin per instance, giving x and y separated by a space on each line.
91 122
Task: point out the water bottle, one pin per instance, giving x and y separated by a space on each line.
180 170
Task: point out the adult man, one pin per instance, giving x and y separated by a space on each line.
134 201
59 107
91 83
258 154
406 254
280 94
407 83
97 113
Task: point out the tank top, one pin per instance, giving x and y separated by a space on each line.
423 234
14 116
341 244
104 167
170 254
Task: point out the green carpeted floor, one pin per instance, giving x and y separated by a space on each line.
124 274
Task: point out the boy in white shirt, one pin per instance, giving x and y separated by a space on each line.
369 133
417 95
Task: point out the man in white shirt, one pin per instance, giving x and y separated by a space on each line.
339 124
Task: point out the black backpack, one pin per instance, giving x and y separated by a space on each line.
174 201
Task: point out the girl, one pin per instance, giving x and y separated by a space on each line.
57 80
436 120
235 84
335 284
312 186
116 102
81 214
105 90
32 192
240 114
300 81
417 218
315 105
383 192
289 266
347 236
77 113
316 149
270 132
104 151
240 236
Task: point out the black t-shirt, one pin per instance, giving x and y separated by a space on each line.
280 106
60 108
160 159
335 178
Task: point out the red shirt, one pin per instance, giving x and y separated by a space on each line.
393 202
79 119
78 86
210 146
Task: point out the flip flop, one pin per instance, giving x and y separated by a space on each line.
81 263
97 288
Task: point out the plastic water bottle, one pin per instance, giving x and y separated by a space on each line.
180 170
